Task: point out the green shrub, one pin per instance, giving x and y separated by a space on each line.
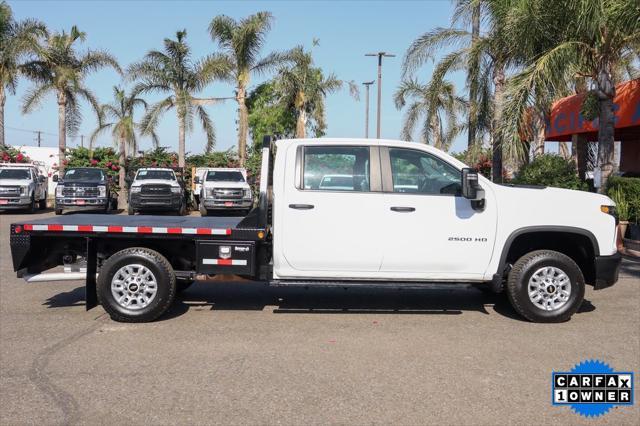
622 204
550 170
629 188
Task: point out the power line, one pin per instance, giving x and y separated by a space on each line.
30 131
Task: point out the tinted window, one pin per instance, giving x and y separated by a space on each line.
225 176
336 168
155 174
94 175
419 172
14 174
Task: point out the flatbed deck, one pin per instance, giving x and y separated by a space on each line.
120 224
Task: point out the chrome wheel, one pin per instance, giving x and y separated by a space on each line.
549 288
134 286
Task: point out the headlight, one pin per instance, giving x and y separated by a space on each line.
135 189
176 189
247 193
103 191
59 189
24 190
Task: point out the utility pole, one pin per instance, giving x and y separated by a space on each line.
82 141
380 55
38 137
367 84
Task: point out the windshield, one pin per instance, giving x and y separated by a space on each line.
14 174
75 175
156 174
225 176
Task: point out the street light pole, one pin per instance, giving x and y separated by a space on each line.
367 84
380 55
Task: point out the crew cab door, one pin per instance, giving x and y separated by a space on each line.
331 211
430 231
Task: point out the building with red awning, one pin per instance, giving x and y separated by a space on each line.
565 123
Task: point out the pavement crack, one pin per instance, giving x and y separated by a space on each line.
39 376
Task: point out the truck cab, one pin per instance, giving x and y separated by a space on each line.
84 188
157 189
22 186
224 189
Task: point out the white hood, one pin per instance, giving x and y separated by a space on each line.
212 185
154 182
15 182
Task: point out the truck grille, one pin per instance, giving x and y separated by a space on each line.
80 191
10 191
227 194
156 189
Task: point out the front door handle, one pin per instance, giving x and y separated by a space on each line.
403 209
301 206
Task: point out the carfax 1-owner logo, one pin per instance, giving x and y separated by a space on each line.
592 388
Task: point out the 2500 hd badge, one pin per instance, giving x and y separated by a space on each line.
468 239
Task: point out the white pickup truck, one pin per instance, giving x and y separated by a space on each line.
23 186
224 189
403 214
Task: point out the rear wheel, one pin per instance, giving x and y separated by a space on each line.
136 285
546 286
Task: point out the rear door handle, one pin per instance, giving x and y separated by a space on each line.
403 209
301 206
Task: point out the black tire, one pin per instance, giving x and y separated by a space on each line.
182 210
161 270
42 204
203 210
130 210
182 285
58 212
524 269
32 206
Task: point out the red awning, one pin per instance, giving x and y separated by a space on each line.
566 119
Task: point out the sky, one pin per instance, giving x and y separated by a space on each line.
346 31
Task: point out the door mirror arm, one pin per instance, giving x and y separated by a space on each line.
472 190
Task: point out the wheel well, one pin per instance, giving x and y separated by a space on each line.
578 247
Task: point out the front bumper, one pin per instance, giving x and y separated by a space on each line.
80 202
214 204
155 202
14 202
607 270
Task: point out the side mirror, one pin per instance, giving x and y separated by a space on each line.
41 179
196 180
471 188
56 178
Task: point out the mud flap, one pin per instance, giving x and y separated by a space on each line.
91 295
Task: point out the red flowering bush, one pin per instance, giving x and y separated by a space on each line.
12 155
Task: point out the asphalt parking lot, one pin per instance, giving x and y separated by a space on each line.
244 353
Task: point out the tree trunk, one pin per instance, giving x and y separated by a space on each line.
243 125
301 124
62 130
498 82
122 195
3 98
435 130
606 92
181 146
473 79
539 134
563 149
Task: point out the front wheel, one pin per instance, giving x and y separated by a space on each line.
130 210
546 286
42 204
136 285
203 210
182 210
32 205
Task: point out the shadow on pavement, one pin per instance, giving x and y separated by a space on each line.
256 296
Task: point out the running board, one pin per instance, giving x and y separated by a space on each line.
55 276
377 284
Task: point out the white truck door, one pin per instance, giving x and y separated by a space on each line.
334 228
429 229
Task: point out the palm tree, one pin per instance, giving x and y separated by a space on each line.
439 109
590 40
59 69
486 60
241 42
16 40
303 87
173 71
123 129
